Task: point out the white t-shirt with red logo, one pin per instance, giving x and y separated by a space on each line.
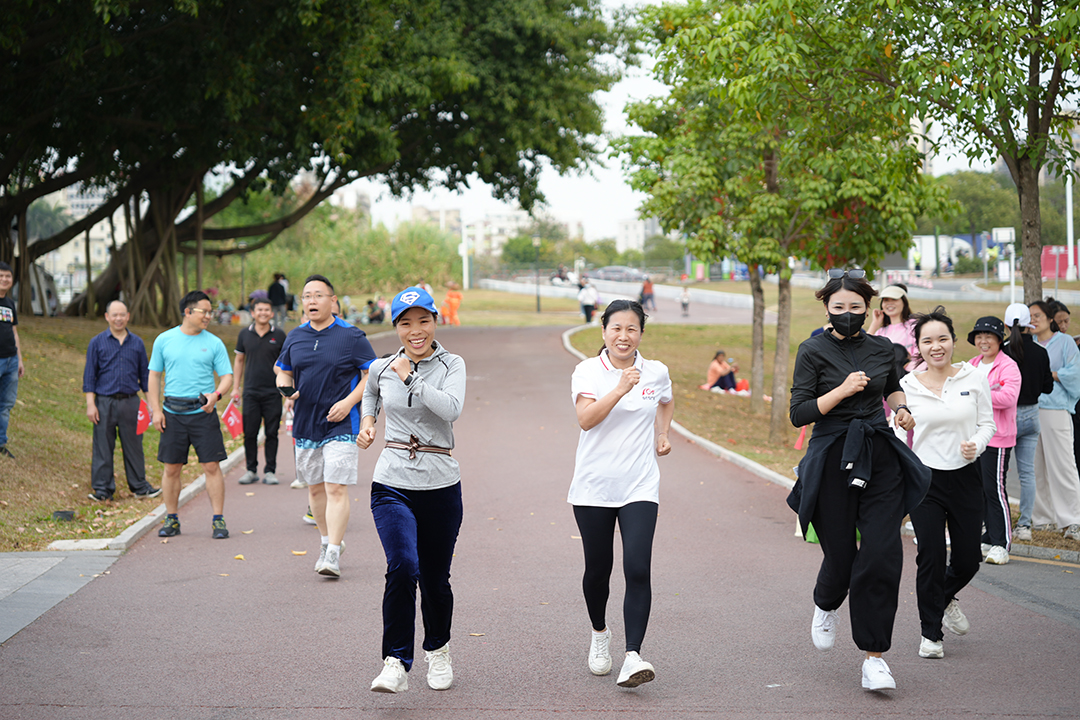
616 460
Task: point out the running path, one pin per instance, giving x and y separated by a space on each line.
184 630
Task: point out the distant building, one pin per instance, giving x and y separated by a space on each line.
632 234
449 221
67 264
488 235
920 138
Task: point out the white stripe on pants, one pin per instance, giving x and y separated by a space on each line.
1057 484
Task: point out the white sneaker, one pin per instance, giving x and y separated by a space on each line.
392 679
823 629
955 620
440 676
997 556
322 558
1022 532
635 671
876 674
330 566
1073 532
984 548
298 484
600 653
930 649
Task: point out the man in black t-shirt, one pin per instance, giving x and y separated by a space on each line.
11 361
279 300
257 349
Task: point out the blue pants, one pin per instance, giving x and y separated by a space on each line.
1027 439
9 388
418 530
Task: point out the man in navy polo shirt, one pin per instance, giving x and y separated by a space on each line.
322 374
257 349
116 370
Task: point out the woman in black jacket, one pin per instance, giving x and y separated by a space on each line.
856 474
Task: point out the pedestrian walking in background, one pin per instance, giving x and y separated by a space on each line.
684 301
450 305
624 406
416 489
321 374
257 349
188 356
11 360
954 421
1057 483
116 370
1003 375
278 293
856 473
648 297
587 297
1035 379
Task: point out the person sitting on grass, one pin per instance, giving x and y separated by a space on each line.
721 373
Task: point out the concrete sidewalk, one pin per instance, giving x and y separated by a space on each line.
243 628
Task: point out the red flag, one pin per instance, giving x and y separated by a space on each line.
144 418
234 423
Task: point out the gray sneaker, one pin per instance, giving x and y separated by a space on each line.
1073 532
954 619
270 479
330 566
1022 532
248 478
1046 527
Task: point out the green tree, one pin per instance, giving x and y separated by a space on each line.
765 149
1000 78
146 98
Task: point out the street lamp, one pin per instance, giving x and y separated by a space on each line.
536 244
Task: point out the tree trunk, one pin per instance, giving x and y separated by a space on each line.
757 360
22 277
90 310
1027 185
779 422
199 219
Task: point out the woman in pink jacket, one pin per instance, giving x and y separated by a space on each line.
1003 374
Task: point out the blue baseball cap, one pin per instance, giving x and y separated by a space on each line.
411 297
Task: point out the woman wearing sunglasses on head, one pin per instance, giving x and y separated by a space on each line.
856 474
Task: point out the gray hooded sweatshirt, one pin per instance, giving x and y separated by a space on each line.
426 409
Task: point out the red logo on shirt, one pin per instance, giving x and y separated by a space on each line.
649 394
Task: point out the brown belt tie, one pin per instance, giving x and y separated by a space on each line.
414 446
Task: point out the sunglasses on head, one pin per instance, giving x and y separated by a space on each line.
855 274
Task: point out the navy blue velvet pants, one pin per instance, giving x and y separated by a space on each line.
418 530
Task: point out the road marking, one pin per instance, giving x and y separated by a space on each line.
1044 562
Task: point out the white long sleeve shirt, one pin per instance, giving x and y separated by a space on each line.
963 413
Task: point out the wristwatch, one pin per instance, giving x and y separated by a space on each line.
409 378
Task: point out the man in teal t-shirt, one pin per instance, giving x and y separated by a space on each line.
189 356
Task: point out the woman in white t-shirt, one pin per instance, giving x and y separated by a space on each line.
954 421
624 407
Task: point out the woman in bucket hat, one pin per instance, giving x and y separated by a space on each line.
416 488
1003 374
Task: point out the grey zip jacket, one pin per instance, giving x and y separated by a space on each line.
426 409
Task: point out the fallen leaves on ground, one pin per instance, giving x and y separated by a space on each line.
299 552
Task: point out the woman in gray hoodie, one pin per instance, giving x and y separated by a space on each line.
416 488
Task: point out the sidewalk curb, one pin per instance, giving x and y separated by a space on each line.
732 457
126 539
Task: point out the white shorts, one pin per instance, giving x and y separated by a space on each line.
334 462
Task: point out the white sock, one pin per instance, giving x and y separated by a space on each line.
324 539
600 632
334 548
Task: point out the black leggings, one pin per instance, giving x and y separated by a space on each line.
637 524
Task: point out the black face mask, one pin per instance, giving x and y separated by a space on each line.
847 324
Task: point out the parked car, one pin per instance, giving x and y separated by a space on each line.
618 273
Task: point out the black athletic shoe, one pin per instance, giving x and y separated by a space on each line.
170 528
5 452
153 492
220 531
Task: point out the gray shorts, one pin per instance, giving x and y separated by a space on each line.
335 462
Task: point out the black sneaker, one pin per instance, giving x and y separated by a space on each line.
170 528
153 492
220 531
5 452
97 497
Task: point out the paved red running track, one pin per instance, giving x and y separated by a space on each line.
182 630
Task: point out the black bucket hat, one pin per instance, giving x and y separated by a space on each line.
988 324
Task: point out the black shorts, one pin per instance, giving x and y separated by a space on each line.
201 431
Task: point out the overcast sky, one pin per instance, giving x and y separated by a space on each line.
598 200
